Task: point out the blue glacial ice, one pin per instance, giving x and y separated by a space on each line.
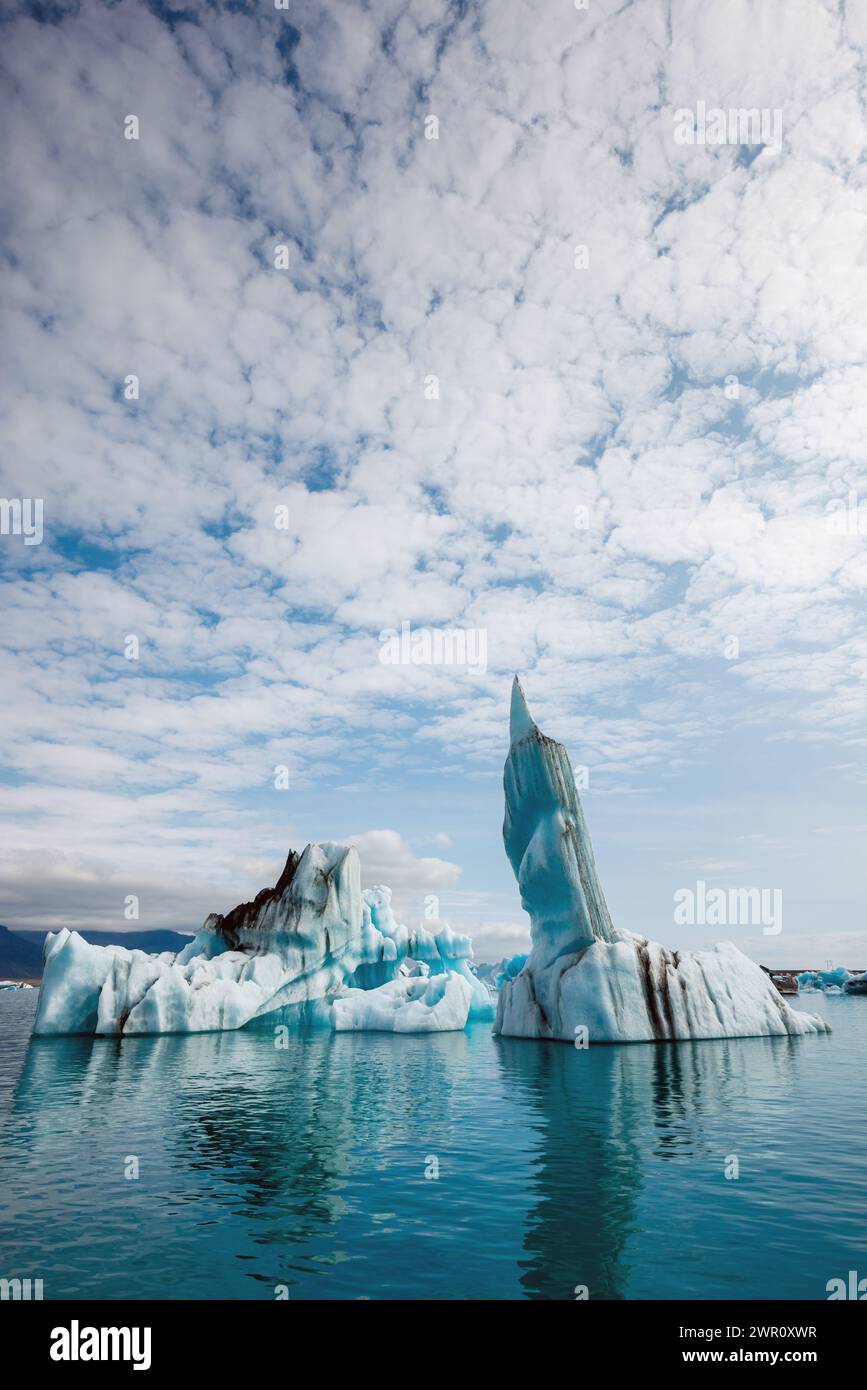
824 979
505 969
387 943
313 940
582 972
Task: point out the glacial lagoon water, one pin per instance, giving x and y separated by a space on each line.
306 1166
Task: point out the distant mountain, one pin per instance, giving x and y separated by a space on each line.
20 959
151 941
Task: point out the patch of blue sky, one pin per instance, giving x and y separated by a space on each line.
81 551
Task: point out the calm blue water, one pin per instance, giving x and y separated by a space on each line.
306 1167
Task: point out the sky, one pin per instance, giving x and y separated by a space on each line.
427 313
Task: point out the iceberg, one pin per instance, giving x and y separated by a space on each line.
505 969
828 980
414 951
409 1004
582 972
314 940
295 942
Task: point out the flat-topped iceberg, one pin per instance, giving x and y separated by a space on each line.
582 972
314 940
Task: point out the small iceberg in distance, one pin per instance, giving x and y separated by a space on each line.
582 972
839 980
314 940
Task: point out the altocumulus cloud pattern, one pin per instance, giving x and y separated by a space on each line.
527 331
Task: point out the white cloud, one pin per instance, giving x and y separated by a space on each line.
495 941
387 858
559 388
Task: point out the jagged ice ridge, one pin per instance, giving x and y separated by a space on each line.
314 940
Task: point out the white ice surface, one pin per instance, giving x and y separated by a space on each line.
107 989
409 1004
633 990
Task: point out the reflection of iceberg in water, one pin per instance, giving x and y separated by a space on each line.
305 1166
611 1122
584 1167
316 1134
261 1161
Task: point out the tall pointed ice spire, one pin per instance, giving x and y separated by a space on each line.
547 841
520 720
